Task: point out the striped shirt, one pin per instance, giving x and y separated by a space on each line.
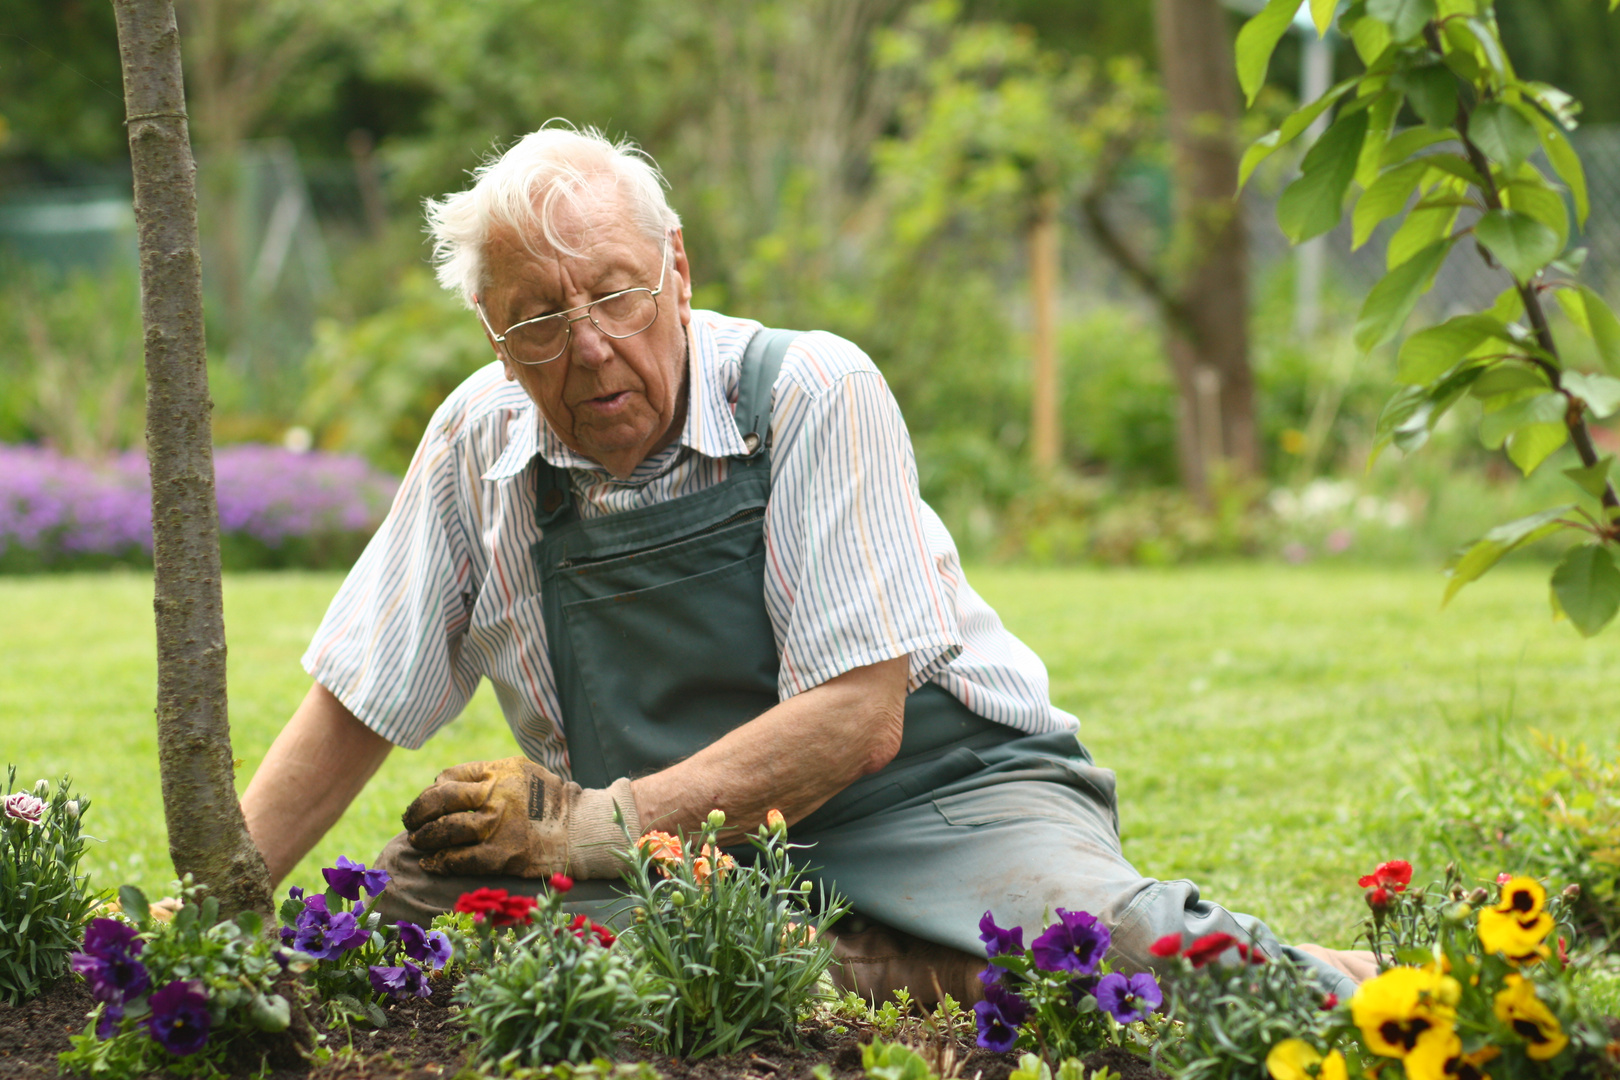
858 568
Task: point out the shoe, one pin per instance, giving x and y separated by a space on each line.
875 960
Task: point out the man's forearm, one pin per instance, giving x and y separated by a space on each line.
793 758
314 769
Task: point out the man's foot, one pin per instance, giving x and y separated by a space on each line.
1357 964
874 961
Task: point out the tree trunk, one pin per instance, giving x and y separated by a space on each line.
207 835
1210 353
1046 441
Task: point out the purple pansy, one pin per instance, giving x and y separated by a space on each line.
1129 1000
108 963
296 892
430 946
998 1016
348 877
111 1015
1075 943
179 1022
320 934
997 939
407 980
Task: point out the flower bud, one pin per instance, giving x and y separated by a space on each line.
71 809
42 787
1479 896
775 822
716 818
1378 900
1572 891
1451 868
805 886
677 899
561 883
1456 892
1459 912
1419 894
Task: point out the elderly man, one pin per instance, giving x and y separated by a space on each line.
690 555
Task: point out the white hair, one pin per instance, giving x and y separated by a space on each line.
523 189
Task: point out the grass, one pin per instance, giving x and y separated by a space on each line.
1260 717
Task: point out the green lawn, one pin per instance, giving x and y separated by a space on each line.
1260 717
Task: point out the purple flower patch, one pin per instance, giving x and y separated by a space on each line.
348 877
1129 1000
320 934
1075 943
998 1017
432 947
111 1016
997 939
407 980
108 963
179 1022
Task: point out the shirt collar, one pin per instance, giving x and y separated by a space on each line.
709 430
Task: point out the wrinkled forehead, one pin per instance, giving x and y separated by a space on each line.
586 236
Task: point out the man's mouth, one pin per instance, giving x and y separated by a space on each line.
607 401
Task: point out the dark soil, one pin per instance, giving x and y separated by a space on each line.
423 1042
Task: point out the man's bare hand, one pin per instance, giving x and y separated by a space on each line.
1358 964
517 818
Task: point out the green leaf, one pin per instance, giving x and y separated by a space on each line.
1506 137
1313 204
251 922
270 1013
1560 105
1405 18
1531 445
1511 378
1386 197
1487 551
1518 241
1432 92
1491 45
1410 141
1533 196
133 901
1457 166
1587 586
1391 300
1496 426
1370 37
1600 392
1380 118
1587 310
1429 353
1291 128
1567 163
1420 229
1594 478
1256 42
1508 305
1258 151
1322 15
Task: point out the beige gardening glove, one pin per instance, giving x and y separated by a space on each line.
516 818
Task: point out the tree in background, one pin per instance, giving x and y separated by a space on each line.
207 834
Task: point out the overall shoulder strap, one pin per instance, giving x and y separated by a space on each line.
761 363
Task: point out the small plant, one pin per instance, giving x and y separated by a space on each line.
176 995
737 949
1057 996
44 900
560 992
355 960
1231 1006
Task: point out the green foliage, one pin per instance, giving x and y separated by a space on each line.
1541 806
1222 1020
1445 61
44 900
555 994
594 1069
735 950
1031 1067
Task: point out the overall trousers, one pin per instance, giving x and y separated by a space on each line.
661 643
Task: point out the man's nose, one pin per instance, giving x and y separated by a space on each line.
590 346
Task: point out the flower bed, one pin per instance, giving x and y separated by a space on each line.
276 508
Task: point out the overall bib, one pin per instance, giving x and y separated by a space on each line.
661 643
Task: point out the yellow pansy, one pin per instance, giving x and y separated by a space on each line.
1518 1007
1293 1059
1394 1009
1432 1055
1517 925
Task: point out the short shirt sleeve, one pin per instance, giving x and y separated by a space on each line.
850 579
389 646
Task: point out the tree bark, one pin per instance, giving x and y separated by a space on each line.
1046 441
1209 352
207 835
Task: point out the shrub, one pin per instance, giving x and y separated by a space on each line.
737 949
44 901
561 992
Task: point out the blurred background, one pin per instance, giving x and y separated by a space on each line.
1019 208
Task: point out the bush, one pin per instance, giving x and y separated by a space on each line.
561 992
44 901
737 950
276 508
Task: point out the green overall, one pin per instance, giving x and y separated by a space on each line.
661 644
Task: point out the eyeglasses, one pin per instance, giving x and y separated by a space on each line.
618 315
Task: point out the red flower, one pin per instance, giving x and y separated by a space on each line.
1394 875
1253 956
1169 945
581 926
1503 878
561 883
497 906
1378 899
1563 950
1330 1002
1208 948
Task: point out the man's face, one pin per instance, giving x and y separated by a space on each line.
615 401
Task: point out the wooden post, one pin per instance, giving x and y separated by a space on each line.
1046 442
207 834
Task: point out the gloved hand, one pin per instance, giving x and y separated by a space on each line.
517 818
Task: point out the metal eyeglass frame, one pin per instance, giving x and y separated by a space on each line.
568 323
